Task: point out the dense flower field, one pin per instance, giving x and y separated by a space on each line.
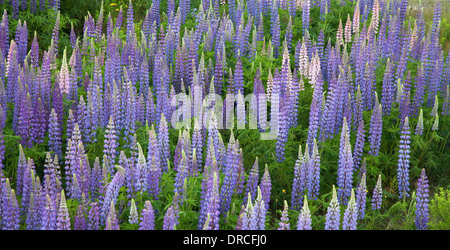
224 114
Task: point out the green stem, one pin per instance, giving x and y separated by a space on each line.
425 148
443 144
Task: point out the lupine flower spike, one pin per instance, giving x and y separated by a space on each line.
304 218
422 202
284 223
377 195
333 216
350 214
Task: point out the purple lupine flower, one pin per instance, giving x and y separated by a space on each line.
238 77
231 172
305 16
21 167
55 36
5 192
358 108
387 95
130 23
299 183
2 78
420 89
169 219
73 36
288 35
266 187
376 126
24 124
112 192
80 219
345 169
135 166
54 134
63 219
246 215
36 207
93 222
49 215
258 217
99 25
403 161
434 83
377 195
422 200
241 173
446 104
213 199
150 112
359 145
240 218
350 214
11 213
58 102
209 168
52 176
134 216
333 215
182 174
22 41
28 176
313 173
163 139
283 129
130 174
75 191
284 221
276 35
147 217
304 218
4 34
112 222
39 121
2 140
119 19
39 200
252 181
95 179
34 52
197 145
111 144
218 74
361 193
141 171
15 8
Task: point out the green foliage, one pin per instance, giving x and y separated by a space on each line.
43 23
440 210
